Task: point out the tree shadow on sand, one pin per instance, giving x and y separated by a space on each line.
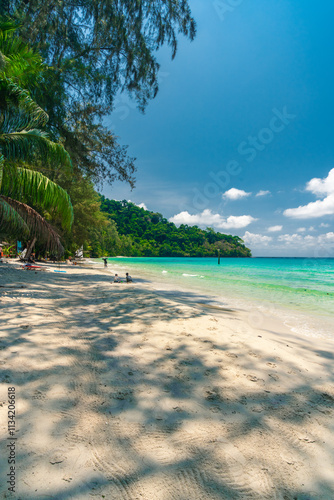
113 405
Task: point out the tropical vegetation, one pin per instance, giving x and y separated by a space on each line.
151 235
62 68
22 142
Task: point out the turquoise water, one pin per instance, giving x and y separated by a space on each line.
304 285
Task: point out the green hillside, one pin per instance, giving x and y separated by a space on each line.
153 236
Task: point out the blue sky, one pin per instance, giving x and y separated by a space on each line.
242 127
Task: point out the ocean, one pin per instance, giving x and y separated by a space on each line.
298 290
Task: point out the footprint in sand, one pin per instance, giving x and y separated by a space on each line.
272 365
251 353
214 396
231 355
39 395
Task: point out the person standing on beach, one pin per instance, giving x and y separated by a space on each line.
105 261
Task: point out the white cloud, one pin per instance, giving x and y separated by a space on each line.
140 205
208 218
262 193
235 222
291 244
308 239
290 239
323 188
325 238
235 194
256 239
274 229
301 230
324 225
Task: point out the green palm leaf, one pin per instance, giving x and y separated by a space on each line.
21 141
2 162
7 26
22 63
13 95
25 144
33 187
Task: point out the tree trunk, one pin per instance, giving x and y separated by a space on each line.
30 248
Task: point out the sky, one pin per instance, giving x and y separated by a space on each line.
240 136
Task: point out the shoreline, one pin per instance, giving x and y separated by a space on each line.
126 391
259 312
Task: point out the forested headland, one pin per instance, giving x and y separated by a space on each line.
149 234
61 67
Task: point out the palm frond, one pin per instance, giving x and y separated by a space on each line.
37 226
34 188
25 144
7 26
3 62
11 223
13 95
22 63
2 162
15 120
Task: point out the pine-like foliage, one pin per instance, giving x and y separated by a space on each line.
95 50
105 46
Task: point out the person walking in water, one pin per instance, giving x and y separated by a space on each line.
105 261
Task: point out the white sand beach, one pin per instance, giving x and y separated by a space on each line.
127 393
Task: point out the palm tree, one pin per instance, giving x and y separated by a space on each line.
22 144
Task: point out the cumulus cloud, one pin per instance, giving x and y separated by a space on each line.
290 239
235 222
324 225
208 218
324 189
254 239
323 244
301 230
140 205
235 194
328 237
262 193
308 239
274 229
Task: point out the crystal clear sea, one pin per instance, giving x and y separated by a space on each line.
298 290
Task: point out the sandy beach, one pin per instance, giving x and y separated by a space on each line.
123 392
